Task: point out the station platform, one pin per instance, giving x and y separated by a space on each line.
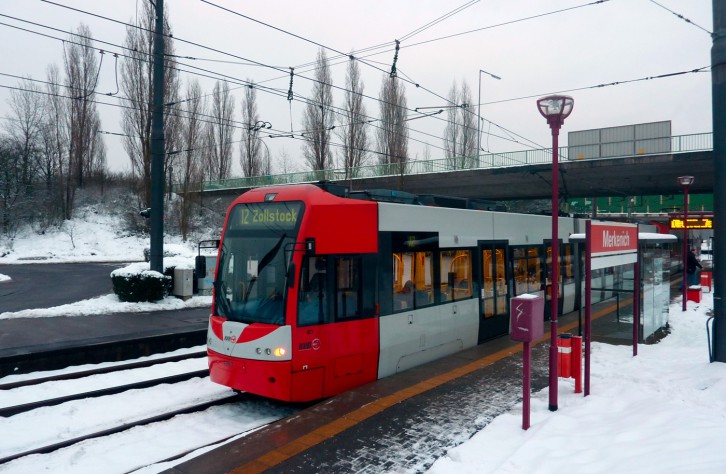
32 344
401 423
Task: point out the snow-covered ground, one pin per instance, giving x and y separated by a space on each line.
663 411
95 238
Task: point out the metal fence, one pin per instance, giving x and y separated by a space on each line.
679 144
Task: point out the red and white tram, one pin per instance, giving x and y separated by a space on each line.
316 293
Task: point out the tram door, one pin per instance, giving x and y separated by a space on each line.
494 291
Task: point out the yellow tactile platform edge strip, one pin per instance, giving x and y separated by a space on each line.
285 452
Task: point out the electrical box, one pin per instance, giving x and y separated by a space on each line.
183 282
526 318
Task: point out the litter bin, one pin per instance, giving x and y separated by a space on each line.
694 293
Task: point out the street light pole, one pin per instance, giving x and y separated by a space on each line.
555 108
685 182
478 115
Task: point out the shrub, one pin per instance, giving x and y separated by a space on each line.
146 285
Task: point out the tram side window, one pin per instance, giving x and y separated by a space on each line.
527 270
348 288
568 274
456 282
412 280
313 293
548 276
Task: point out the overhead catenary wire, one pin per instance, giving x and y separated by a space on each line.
603 85
682 17
536 145
174 62
438 20
592 3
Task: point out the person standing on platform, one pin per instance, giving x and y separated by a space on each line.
691 264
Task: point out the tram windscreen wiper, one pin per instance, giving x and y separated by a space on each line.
269 256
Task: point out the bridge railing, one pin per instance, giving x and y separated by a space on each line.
679 144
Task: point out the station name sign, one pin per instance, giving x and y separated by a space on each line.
611 244
693 223
612 239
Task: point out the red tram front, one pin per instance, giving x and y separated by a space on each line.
290 318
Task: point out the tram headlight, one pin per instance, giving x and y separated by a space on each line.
268 351
258 350
280 351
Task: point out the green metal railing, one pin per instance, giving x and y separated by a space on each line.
679 144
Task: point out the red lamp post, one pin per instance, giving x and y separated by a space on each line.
685 182
555 108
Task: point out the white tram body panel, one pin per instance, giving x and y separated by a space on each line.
415 337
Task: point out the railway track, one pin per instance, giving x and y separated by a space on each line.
117 375
123 427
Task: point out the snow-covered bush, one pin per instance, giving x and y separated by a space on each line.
135 283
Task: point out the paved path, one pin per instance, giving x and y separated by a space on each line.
53 284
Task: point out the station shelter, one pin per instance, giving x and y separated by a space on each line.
614 286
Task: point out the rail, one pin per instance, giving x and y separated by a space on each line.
679 144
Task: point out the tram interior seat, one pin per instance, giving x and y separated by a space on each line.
423 298
404 298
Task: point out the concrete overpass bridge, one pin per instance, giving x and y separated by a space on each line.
519 175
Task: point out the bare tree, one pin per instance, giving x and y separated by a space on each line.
461 127
137 88
467 134
24 128
220 131
82 71
451 131
318 120
54 147
353 132
11 188
284 163
55 131
250 146
392 135
188 167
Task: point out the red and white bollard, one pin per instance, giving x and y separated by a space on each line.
569 358
564 353
576 362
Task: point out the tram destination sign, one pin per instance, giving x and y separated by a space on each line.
691 223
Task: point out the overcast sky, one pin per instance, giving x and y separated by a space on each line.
585 45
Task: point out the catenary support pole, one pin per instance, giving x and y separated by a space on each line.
718 90
156 257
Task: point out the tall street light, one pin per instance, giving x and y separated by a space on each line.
478 114
555 108
685 182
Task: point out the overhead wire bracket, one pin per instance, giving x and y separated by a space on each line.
395 60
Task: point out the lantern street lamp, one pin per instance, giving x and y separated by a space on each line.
555 108
685 182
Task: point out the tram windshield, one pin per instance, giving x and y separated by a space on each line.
255 255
